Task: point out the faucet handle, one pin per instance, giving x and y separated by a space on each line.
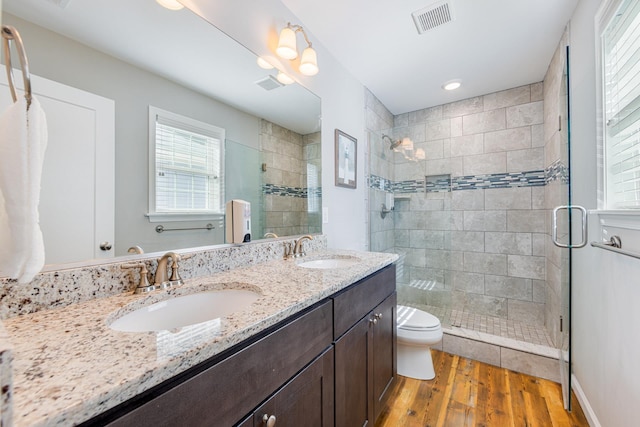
175 278
288 250
143 286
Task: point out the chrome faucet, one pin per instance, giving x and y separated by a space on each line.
297 248
161 280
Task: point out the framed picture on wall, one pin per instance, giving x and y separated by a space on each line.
346 164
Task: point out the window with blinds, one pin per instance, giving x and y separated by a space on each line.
187 165
621 97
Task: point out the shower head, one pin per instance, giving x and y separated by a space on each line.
405 146
394 144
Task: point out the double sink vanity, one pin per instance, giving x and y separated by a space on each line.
307 341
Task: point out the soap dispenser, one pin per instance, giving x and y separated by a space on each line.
238 221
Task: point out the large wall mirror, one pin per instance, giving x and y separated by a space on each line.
139 54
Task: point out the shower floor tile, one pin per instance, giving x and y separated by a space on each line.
533 334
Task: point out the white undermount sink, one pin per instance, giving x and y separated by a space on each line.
329 263
185 310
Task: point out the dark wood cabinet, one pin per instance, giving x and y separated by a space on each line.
222 394
306 400
384 352
365 366
332 364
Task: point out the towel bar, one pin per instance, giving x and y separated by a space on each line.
615 245
160 228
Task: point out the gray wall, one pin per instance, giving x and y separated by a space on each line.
379 121
483 248
285 155
133 90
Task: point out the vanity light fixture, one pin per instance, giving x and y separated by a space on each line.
452 85
288 49
405 147
285 79
170 4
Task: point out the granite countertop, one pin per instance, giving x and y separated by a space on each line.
70 366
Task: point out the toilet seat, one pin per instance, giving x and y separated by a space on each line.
412 319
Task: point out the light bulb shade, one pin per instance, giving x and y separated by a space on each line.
287 48
407 144
170 4
309 62
284 78
420 154
263 63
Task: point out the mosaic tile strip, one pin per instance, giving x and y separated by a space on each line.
281 190
557 171
379 183
411 186
499 180
441 183
437 183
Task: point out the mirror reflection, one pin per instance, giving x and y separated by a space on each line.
103 64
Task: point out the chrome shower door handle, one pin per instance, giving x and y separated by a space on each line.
554 231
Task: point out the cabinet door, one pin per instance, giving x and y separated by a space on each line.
306 400
384 351
353 372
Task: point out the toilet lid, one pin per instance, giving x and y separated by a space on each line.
412 319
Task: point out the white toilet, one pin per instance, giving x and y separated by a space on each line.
417 332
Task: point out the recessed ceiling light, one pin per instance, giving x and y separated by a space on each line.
263 63
170 4
452 85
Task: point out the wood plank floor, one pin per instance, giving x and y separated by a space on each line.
468 393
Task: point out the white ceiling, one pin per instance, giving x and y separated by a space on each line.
492 45
201 56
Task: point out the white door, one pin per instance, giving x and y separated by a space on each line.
77 197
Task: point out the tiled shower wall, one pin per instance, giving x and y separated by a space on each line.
556 190
286 193
478 242
380 162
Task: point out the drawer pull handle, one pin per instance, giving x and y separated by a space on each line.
378 316
374 320
269 421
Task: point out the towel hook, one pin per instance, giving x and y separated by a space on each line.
10 33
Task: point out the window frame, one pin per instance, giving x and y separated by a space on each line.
603 19
153 215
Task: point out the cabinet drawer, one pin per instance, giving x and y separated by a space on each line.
356 301
220 395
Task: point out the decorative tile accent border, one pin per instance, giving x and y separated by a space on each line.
437 183
441 183
411 186
281 190
379 183
499 180
557 171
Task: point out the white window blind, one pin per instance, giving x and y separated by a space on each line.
187 172
621 82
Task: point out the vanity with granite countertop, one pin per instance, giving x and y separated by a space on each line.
324 335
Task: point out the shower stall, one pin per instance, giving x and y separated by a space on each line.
470 219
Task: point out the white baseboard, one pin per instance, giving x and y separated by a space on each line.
584 403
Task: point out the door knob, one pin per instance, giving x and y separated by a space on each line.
105 246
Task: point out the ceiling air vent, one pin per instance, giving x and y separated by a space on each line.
433 16
269 83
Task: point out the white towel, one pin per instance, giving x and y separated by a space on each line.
23 141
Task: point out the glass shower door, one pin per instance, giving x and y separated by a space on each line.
564 217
